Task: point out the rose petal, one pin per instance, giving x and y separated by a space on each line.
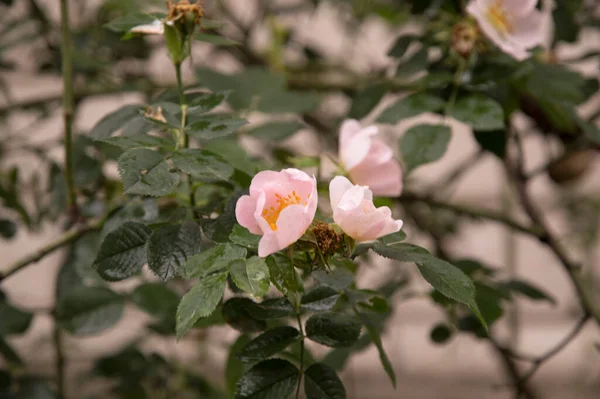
337 187
245 209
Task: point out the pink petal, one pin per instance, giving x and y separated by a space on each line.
349 128
337 188
268 180
357 148
268 245
383 180
245 209
291 225
519 7
528 30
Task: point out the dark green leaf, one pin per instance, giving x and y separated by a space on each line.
480 112
33 388
215 126
123 252
10 356
528 290
202 165
440 334
415 64
89 310
114 121
333 329
492 141
232 153
8 228
215 39
237 313
283 275
394 238
146 172
338 279
282 101
270 379
322 382
200 301
156 299
139 141
234 368
489 301
242 237
366 100
13 320
205 102
568 85
423 144
169 247
565 21
401 45
276 130
413 105
251 275
269 343
215 259
127 22
320 299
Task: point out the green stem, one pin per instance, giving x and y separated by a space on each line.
60 360
301 352
67 73
184 140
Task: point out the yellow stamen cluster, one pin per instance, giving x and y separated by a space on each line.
271 214
498 17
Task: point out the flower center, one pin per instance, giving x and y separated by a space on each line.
498 18
271 214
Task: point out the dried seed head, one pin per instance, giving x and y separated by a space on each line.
185 12
328 240
156 114
464 38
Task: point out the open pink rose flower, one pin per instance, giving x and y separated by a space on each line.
513 25
280 207
368 160
355 213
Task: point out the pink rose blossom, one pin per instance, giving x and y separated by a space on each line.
280 207
513 25
355 213
368 160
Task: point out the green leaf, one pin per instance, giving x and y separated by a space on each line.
413 105
146 172
320 299
127 22
492 141
156 299
8 228
14 321
202 165
200 301
237 313
170 246
276 130
10 356
365 100
526 289
234 368
242 237
489 301
394 238
270 379
269 343
232 153
283 101
114 121
401 45
373 329
251 275
423 144
215 39
564 15
123 252
322 382
568 88
480 112
89 310
338 279
283 275
440 334
215 126
215 259
139 141
201 103
415 64
333 329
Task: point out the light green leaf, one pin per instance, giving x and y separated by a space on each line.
423 144
139 141
322 382
276 130
215 126
215 39
212 260
114 121
232 153
89 310
123 252
413 105
200 301
480 112
146 172
269 343
242 237
170 246
251 275
270 379
202 165
200 103
335 330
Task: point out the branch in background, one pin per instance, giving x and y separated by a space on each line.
67 238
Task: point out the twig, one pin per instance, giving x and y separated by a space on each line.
67 73
60 360
476 213
512 370
67 238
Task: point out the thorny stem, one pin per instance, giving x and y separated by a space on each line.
67 73
184 140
